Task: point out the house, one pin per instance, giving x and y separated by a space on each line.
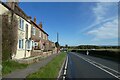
21 36
39 38
52 47
18 37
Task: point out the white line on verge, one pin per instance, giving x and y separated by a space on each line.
65 71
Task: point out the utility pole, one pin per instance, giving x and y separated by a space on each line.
57 37
57 41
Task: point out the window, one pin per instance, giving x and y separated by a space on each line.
33 30
29 44
46 37
21 24
42 35
39 33
26 31
21 41
33 44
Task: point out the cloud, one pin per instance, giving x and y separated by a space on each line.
97 23
102 13
102 10
108 30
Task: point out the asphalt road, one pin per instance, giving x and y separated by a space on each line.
84 66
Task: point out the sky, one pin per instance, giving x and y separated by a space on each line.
78 23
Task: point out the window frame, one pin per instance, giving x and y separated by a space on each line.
26 31
40 34
29 45
21 43
21 22
33 30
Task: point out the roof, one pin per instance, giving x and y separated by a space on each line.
38 27
18 11
21 13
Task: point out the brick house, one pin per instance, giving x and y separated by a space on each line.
39 37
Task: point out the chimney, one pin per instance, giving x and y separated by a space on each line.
12 3
35 19
40 25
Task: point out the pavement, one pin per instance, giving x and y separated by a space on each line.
23 73
88 67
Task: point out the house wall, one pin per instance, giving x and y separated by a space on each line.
21 53
3 9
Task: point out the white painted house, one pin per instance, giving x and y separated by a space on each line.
24 45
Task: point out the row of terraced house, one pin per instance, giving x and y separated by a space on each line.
32 40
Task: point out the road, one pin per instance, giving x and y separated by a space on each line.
85 66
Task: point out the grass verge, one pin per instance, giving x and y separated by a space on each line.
50 70
9 66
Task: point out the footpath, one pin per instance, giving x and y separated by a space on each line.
23 73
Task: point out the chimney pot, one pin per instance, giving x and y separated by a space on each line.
40 25
35 19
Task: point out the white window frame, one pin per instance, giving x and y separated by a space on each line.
33 30
21 43
29 45
27 30
33 45
21 22
39 33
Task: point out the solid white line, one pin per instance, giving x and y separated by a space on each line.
103 69
66 63
61 69
97 66
65 71
103 65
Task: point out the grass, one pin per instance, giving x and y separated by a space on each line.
9 66
50 70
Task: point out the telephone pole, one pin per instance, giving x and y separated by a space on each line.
57 36
57 41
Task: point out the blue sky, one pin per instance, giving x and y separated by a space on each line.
80 23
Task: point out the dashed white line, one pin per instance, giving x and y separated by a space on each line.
65 70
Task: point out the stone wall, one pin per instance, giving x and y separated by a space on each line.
34 58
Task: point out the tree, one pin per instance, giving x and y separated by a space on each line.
57 44
9 35
66 46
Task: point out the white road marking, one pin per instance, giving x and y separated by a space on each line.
63 77
64 72
65 69
66 63
101 65
93 63
61 70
